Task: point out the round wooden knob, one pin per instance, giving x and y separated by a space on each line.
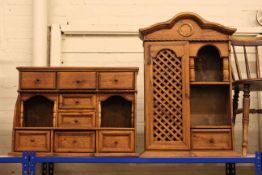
116 80
76 102
37 81
32 140
78 81
74 141
211 141
116 142
76 121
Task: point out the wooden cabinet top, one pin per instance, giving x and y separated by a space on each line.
186 26
78 69
77 78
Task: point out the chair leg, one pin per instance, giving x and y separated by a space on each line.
235 104
245 119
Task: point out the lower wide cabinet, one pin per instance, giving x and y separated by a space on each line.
77 111
75 141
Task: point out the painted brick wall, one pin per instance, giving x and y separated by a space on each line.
15 50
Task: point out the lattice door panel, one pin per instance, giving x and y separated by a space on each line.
167 107
167 97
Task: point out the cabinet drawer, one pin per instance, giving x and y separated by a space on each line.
37 80
116 141
77 141
76 80
116 80
211 139
77 119
32 141
77 101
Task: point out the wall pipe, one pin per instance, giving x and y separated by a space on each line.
39 33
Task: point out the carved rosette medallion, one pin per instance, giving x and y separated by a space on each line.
185 29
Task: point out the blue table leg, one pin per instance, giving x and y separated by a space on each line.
48 168
258 163
230 169
32 165
25 163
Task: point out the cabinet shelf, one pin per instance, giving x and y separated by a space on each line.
209 83
71 128
211 127
209 106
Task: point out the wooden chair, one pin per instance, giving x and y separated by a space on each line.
245 83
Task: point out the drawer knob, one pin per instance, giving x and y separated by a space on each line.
76 102
115 80
116 142
211 141
78 81
74 141
32 140
37 81
76 121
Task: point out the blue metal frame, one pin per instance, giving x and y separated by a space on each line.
144 160
258 163
24 160
30 159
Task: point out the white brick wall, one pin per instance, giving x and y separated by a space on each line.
15 50
142 13
104 15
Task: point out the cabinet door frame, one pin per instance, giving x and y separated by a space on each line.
181 49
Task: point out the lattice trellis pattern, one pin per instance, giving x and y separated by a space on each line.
167 97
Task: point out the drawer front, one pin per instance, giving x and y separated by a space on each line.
211 139
38 80
32 141
78 141
77 101
76 80
116 141
116 80
77 119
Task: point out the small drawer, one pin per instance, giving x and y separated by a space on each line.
116 80
32 141
77 101
76 80
116 141
77 119
211 139
77 141
37 80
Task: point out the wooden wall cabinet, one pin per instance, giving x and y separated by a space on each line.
76 111
188 86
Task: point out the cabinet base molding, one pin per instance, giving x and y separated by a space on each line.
117 154
215 154
55 154
190 154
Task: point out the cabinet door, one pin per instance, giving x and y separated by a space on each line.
167 96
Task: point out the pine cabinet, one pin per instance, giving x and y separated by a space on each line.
188 106
76 111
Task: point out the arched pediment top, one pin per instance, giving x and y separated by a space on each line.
186 26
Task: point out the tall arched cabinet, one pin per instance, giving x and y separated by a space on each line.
188 106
